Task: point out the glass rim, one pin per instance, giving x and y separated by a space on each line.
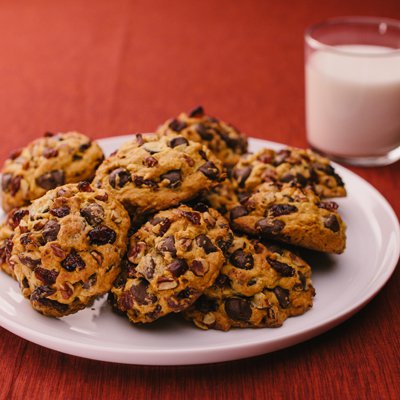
380 22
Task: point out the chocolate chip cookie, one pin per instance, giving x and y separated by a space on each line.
223 198
152 173
292 214
259 286
303 167
46 163
171 260
225 141
68 247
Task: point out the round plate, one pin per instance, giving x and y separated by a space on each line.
343 283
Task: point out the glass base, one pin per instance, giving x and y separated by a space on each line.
363 161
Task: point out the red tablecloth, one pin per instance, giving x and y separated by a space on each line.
114 67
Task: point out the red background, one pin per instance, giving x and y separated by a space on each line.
115 67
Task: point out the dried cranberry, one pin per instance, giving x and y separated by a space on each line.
50 231
73 261
51 180
101 235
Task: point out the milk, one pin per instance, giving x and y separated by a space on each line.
353 100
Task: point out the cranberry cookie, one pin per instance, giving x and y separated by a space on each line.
68 247
152 173
225 141
259 286
292 214
46 163
303 167
171 260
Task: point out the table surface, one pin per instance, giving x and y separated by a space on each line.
116 67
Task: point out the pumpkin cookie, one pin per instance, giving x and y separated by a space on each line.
292 214
171 260
46 163
68 247
225 141
303 167
259 286
152 173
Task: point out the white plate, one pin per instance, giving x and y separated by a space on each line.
343 283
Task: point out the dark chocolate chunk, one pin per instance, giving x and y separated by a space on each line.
178 267
277 210
177 141
237 212
332 223
51 180
101 235
177 125
269 227
205 242
241 260
238 309
93 214
50 231
174 177
197 112
283 296
119 178
281 268
210 170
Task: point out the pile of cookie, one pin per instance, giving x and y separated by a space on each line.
180 221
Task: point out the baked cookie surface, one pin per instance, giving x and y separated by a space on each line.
225 141
152 173
292 214
68 247
259 286
171 260
303 167
46 163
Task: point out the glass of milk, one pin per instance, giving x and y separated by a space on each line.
352 77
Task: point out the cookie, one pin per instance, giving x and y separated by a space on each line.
171 260
292 214
303 167
6 234
46 163
68 247
223 198
259 286
225 141
152 173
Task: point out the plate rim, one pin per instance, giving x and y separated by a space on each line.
254 347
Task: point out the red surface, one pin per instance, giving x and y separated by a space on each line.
114 67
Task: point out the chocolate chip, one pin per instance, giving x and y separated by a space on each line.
241 174
15 184
193 217
50 231
205 304
101 235
164 223
73 261
222 281
168 244
282 295
119 178
274 248
210 170
269 227
328 205
83 147
301 179
174 177
28 261
237 212
225 243
241 260
48 277
205 242
139 292
84 186
150 162
139 181
51 180
197 112
40 294
197 268
93 214
25 239
332 223
50 153
60 212
287 178
102 197
238 309
277 210
280 267
204 133
203 155
177 125
177 141
5 182
178 267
